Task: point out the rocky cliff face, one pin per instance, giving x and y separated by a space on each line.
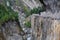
31 3
53 5
52 9
45 28
10 31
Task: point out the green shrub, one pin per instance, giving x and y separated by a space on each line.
33 11
37 10
28 24
6 13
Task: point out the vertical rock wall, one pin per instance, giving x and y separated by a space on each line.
45 28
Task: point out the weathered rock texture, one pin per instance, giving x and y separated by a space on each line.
52 5
47 25
10 31
45 28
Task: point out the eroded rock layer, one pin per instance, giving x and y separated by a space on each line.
45 28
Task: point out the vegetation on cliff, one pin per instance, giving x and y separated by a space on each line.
37 10
29 12
33 11
6 14
28 24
